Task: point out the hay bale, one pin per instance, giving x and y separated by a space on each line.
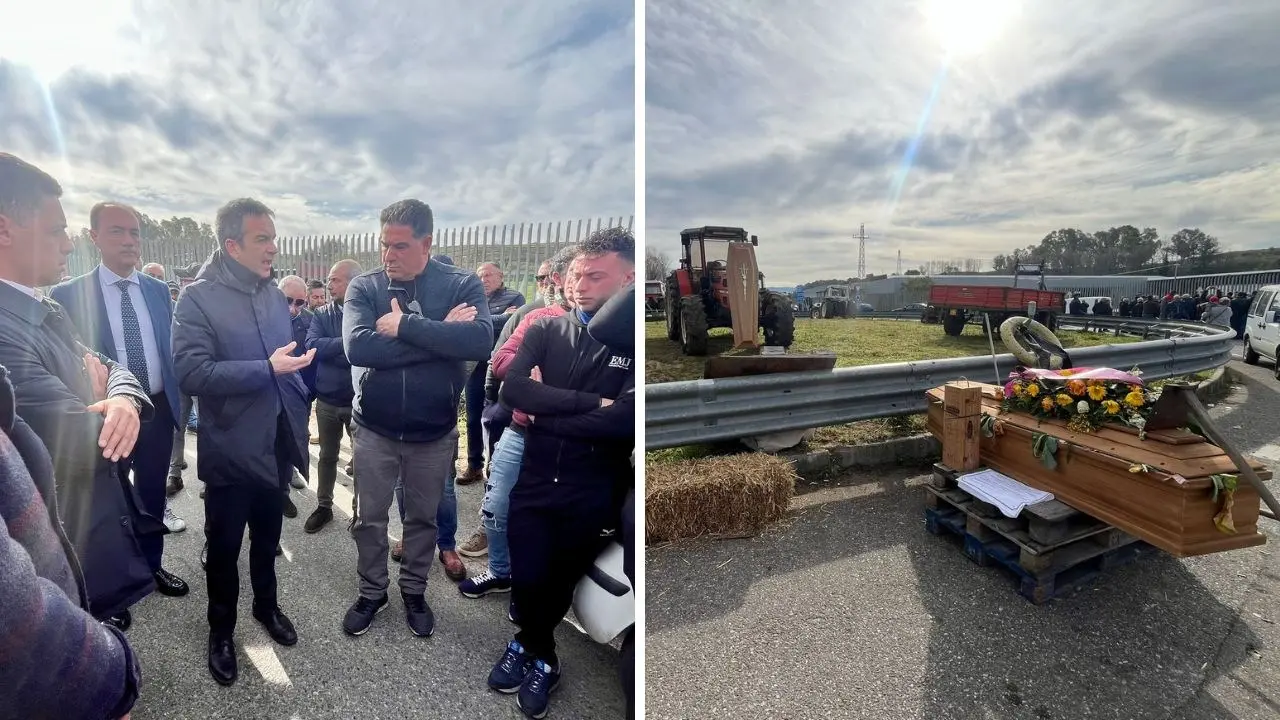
727 495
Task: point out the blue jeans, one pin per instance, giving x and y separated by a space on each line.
446 514
504 470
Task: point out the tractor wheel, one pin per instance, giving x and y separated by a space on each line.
671 306
814 313
778 320
953 325
693 326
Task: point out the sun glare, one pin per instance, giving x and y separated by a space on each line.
49 37
967 27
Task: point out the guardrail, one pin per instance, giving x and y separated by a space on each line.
701 411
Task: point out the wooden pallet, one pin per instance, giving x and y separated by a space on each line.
1068 549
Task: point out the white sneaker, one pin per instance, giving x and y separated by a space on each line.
173 522
297 482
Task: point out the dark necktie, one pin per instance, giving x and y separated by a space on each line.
133 337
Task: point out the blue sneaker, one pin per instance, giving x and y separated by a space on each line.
483 584
509 674
535 694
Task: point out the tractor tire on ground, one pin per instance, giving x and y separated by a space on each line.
953 325
778 320
693 326
671 305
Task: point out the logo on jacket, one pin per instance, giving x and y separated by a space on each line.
620 362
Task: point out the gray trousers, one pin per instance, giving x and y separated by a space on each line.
176 456
422 469
331 420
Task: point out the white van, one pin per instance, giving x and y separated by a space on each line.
1262 329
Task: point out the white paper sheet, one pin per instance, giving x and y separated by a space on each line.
1007 494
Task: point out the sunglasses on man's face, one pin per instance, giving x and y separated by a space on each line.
297 302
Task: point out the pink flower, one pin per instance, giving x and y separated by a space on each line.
1008 389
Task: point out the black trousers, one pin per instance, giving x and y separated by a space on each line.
627 658
228 510
554 539
149 462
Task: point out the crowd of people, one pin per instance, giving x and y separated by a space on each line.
101 376
1207 305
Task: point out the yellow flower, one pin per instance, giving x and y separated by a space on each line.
1033 390
1018 390
1135 399
1066 373
1046 403
1097 392
1064 399
1076 387
1111 407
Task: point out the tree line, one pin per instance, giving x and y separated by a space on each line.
173 231
1071 251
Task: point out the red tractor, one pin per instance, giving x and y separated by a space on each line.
719 285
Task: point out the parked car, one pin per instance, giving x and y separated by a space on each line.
1262 328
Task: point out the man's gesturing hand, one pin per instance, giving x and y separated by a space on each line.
120 429
283 363
389 324
461 313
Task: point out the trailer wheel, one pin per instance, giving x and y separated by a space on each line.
953 325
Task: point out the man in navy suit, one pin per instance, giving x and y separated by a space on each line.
126 315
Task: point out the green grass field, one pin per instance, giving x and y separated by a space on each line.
855 342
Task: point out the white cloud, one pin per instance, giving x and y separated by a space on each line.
792 120
491 112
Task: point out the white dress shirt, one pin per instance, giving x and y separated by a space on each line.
22 288
150 348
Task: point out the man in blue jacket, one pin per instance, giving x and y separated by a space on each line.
126 315
334 391
410 327
233 349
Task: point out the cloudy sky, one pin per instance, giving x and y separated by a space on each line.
799 122
492 112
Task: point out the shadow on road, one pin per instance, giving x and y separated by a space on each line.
854 610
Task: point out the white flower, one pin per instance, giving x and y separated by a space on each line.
1138 421
1082 407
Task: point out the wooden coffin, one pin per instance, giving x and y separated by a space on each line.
1093 475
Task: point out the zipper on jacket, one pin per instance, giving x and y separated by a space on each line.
573 366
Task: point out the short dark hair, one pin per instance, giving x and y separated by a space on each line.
560 261
230 219
23 186
610 240
414 214
95 213
315 285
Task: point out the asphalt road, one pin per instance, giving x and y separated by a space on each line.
386 673
850 609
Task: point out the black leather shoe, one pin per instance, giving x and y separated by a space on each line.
122 622
222 659
277 626
290 510
169 584
174 486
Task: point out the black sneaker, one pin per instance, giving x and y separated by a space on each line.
535 694
360 616
483 584
290 510
318 519
508 675
417 613
173 486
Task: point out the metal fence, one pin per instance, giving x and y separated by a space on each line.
517 248
701 411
